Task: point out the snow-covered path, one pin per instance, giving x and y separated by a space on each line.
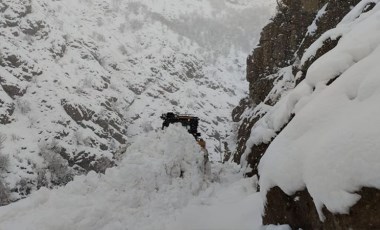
229 206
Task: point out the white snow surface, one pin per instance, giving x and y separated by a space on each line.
147 191
331 147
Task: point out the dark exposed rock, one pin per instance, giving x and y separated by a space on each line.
89 162
299 211
58 49
13 61
14 12
244 104
119 137
8 110
86 161
293 210
278 43
13 90
257 153
110 127
4 195
32 28
76 111
244 132
3 7
102 164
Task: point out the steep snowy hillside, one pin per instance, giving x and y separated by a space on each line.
82 80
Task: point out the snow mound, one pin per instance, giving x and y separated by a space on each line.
331 146
159 174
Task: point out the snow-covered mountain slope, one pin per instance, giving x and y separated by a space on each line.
159 185
81 80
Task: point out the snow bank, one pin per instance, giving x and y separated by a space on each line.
159 174
331 147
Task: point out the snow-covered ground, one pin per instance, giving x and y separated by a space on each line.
160 184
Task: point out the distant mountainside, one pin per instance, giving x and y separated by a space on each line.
81 80
308 128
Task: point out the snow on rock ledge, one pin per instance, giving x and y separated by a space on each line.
331 145
159 174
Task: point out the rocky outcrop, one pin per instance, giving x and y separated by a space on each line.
283 43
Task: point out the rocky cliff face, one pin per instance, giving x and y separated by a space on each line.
273 69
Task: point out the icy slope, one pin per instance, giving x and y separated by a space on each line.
82 79
331 145
160 184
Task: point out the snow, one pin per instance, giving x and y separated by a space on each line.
331 145
152 57
276 227
145 49
237 206
160 184
146 185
